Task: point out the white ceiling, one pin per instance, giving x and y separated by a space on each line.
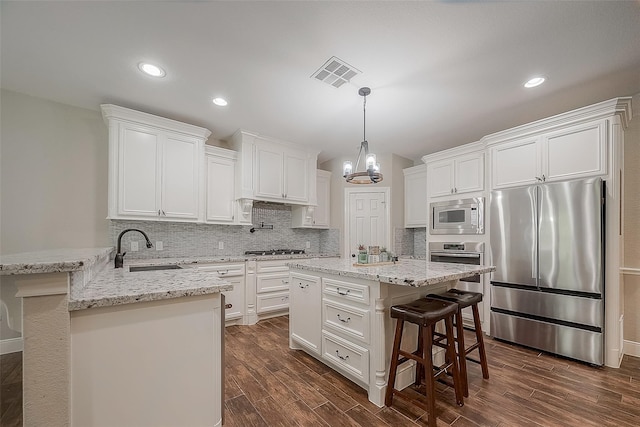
441 73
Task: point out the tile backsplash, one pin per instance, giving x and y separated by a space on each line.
411 241
183 239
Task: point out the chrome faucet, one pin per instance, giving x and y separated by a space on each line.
120 256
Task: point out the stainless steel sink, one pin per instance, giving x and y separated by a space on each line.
154 267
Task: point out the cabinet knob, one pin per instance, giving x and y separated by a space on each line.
228 305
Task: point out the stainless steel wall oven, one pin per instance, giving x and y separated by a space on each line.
461 253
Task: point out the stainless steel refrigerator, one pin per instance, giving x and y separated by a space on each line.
547 243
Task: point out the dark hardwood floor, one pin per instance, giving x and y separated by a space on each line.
267 384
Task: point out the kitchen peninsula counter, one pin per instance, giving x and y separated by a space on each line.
339 313
94 336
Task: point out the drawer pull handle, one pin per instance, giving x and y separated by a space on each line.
342 357
228 305
285 282
285 298
347 320
222 273
343 293
303 286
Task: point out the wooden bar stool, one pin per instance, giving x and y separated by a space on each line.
425 313
466 299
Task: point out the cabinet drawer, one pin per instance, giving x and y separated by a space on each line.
223 270
272 301
272 282
271 266
346 290
346 356
348 320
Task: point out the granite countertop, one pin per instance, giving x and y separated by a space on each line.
117 286
52 261
405 272
95 283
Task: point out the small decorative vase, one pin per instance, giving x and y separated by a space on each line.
384 256
362 257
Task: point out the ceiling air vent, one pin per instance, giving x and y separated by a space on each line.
335 72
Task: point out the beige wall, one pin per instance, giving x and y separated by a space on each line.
53 182
632 224
53 175
391 166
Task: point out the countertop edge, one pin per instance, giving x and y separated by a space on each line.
82 304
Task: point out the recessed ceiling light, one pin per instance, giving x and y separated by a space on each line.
221 102
152 70
536 81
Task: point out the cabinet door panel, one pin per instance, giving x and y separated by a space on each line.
220 189
269 175
576 152
139 192
415 200
295 177
440 178
469 173
305 311
321 212
180 178
516 163
234 300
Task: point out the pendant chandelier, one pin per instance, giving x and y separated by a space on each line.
371 174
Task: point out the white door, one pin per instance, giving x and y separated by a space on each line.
367 220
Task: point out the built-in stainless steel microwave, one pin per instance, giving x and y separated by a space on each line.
464 216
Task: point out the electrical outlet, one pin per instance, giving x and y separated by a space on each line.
159 246
134 246
308 245
220 244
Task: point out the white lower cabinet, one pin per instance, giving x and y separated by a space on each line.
272 301
272 287
304 313
346 356
347 319
235 301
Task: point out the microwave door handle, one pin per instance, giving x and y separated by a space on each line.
455 255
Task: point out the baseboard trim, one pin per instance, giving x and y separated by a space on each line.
11 345
632 348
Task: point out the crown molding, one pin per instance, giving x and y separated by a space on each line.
612 107
455 151
114 112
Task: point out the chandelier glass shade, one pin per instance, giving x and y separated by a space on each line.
371 174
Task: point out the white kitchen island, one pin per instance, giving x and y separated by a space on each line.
339 313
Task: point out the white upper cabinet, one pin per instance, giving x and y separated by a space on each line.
154 166
415 196
220 185
315 216
567 153
461 173
575 152
273 170
516 163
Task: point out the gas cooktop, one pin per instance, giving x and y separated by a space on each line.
276 252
